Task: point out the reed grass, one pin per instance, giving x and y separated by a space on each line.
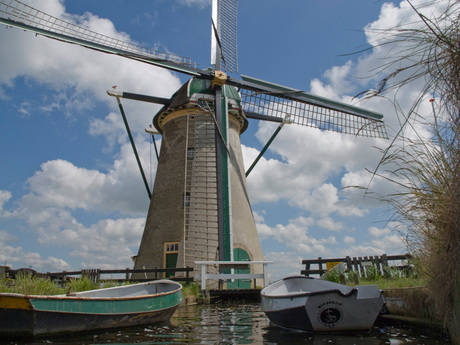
391 278
29 285
34 285
426 170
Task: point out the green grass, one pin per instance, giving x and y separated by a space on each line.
30 285
393 278
192 289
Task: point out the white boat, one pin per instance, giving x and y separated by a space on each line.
309 304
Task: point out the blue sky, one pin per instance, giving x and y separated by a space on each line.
71 195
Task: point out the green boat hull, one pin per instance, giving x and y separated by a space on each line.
23 315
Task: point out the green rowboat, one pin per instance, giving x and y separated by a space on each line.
122 306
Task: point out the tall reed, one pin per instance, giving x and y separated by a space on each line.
426 170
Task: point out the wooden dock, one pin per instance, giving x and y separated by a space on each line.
224 285
220 295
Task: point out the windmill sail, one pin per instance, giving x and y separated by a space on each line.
17 14
273 102
224 35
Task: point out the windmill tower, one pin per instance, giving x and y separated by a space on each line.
183 219
200 207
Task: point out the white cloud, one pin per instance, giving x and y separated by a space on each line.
329 224
310 159
6 237
4 197
376 232
61 184
339 82
193 3
393 243
296 236
16 257
284 264
348 240
109 243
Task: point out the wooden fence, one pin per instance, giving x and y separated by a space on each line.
119 275
358 264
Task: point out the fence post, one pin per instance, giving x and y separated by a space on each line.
355 264
360 267
356 278
385 266
307 269
349 265
377 264
320 264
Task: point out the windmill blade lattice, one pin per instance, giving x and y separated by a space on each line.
18 14
274 102
227 35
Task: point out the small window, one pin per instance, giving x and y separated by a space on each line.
171 247
186 200
191 153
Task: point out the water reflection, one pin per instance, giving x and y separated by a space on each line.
233 324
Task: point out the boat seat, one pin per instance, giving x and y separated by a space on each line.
367 291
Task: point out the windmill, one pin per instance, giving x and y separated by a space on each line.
199 208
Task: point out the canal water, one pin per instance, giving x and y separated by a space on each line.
234 323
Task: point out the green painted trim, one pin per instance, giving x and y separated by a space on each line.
107 305
225 184
232 93
204 86
198 85
240 254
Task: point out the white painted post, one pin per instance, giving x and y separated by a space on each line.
265 274
203 276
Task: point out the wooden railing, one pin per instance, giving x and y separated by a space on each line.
118 275
359 264
226 265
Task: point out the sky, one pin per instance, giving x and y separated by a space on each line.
71 195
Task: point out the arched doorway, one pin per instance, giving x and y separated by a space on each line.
240 255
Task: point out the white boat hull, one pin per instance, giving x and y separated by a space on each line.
316 305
